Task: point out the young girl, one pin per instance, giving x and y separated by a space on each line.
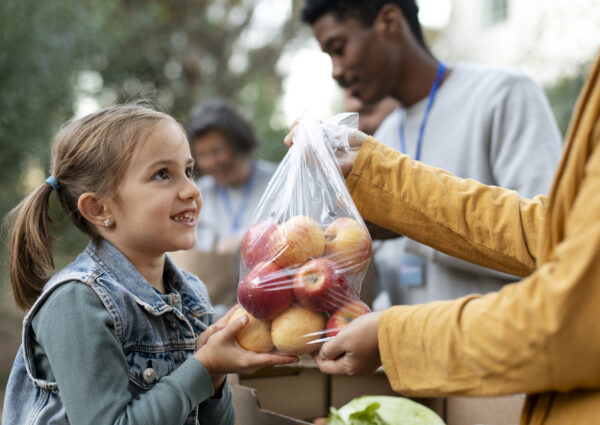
121 335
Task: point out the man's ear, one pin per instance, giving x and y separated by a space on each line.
390 20
92 209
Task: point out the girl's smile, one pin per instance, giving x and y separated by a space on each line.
187 218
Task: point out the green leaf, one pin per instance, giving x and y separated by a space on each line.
368 416
334 417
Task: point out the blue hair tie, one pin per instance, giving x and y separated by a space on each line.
52 182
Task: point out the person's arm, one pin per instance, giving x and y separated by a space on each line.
540 334
86 358
485 225
218 410
532 336
536 335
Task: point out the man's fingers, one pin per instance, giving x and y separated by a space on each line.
288 138
330 367
331 350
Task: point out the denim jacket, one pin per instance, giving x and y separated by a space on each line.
143 323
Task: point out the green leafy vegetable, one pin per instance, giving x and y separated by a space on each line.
383 410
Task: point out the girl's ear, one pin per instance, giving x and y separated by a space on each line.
93 210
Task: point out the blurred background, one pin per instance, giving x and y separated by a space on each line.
61 58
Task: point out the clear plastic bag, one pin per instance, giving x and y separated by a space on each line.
307 250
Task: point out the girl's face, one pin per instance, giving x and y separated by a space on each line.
157 205
215 156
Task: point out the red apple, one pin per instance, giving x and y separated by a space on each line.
255 243
348 243
344 315
319 285
266 291
297 330
296 240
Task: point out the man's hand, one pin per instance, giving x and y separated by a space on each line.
353 351
345 158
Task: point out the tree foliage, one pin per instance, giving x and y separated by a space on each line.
37 59
174 52
563 95
58 54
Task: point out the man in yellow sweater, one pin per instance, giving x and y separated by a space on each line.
540 335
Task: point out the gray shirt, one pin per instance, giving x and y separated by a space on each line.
489 124
216 221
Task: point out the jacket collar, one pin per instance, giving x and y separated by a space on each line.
115 264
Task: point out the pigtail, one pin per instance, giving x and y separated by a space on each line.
30 246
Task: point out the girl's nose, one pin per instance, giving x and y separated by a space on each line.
190 190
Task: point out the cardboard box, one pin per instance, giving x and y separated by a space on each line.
299 394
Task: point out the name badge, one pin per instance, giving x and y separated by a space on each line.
412 270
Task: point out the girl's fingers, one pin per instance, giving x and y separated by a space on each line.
259 361
231 330
210 331
281 359
228 315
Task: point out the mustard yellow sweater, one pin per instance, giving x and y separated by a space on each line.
541 335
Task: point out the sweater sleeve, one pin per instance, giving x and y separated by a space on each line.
84 356
533 336
218 411
486 225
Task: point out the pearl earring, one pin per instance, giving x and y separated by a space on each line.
107 222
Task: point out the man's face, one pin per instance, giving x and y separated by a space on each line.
358 56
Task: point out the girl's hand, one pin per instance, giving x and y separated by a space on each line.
345 158
217 380
215 327
221 354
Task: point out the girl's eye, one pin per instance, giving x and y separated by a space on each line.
189 172
162 174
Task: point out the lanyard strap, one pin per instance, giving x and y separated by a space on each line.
238 215
432 94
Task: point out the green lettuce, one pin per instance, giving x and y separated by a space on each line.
383 410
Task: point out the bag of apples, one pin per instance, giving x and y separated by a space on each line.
306 253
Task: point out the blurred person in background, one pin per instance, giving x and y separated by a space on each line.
489 124
233 181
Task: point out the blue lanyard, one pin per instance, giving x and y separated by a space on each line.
237 217
432 94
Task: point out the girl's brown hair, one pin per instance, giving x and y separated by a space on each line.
91 154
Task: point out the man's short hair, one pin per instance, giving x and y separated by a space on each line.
365 11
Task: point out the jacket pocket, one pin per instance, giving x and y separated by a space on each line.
146 368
